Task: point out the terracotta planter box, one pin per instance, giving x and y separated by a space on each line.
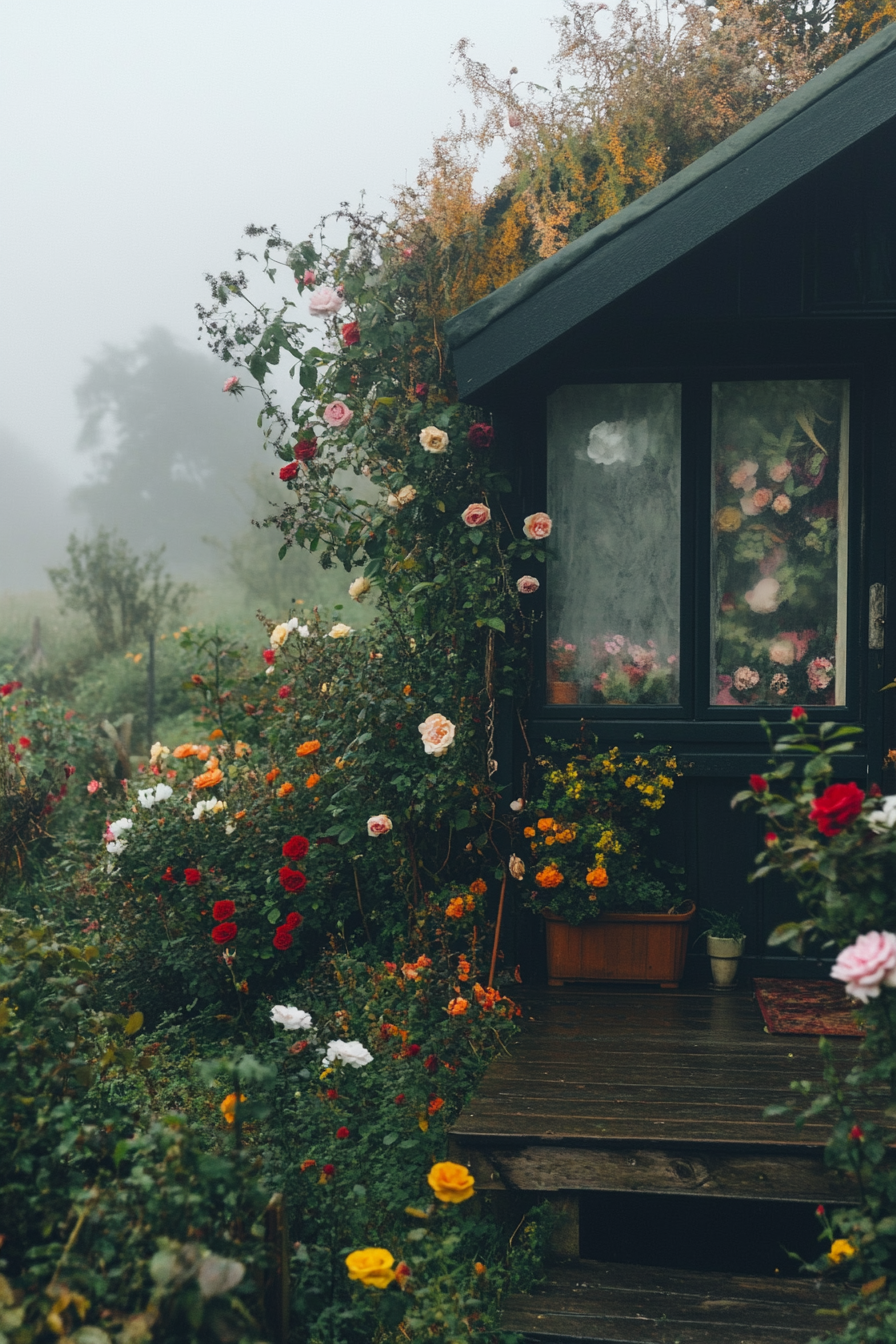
563 692
646 948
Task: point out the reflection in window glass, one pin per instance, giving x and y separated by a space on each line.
779 542
614 494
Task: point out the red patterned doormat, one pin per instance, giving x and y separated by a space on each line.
806 1008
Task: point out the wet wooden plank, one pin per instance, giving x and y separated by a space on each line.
625 1304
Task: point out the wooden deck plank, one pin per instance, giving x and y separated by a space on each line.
626 1304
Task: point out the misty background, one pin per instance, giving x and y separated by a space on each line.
137 142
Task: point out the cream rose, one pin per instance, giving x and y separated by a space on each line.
379 825
358 588
324 302
762 498
743 477
537 526
337 414
437 733
780 471
339 631
527 584
434 440
763 599
476 515
782 504
782 652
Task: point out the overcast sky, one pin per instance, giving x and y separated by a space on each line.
138 140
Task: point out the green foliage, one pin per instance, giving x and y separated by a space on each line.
721 924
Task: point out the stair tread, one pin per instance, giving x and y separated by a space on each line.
634 1304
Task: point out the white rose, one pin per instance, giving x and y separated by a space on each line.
146 797
289 1018
347 1052
763 598
117 846
884 819
339 631
434 440
516 805
163 792
406 495
304 631
324 302
437 733
118 827
357 588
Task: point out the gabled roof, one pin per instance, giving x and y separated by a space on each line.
828 114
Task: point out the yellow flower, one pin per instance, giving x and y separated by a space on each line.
546 823
451 1183
228 1106
728 520
529 832
597 877
632 779
606 840
455 907
565 837
841 1250
372 1267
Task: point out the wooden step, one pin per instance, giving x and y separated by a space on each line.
548 1169
631 1304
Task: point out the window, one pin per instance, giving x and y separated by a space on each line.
614 493
779 462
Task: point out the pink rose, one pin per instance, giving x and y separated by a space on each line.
820 673
324 302
232 384
308 278
527 584
762 498
537 526
781 504
437 733
93 786
748 506
379 825
337 414
780 471
476 515
782 652
868 964
745 678
743 477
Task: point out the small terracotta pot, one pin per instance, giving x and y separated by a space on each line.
649 948
563 692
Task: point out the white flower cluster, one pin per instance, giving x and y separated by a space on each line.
117 845
884 819
347 1052
281 633
208 805
291 1019
149 797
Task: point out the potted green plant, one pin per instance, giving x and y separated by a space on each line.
725 940
563 687
612 909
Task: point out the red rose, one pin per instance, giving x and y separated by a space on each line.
296 847
68 770
351 333
10 687
292 921
305 450
288 472
421 391
837 807
480 436
223 910
282 939
855 1133
797 712
771 838
197 680
168 876
192 876
26 743
431 1064
268 655
285 692
819 1212
291 879
223 933
328 1169
413 1050
343 1133
332 1094
758 784
875 791
399 1099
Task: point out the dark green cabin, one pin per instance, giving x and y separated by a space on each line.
700 393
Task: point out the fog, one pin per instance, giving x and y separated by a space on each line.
136 143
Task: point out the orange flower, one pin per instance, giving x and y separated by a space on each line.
529 832
210 777
228 1106
463 969
285 788
183 751
215 733
549 877
308 1164
479 1267
272 775
486 998
545 823
597 877
457 1007
311 781
202 753
470 904
435 1105
407 690
242 748
308 748
478 887
455 907
237 815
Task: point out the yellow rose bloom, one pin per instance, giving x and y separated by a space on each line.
372 1267
728 520
841 1250
451 1183
632 779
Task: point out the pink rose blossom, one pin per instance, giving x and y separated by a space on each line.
820 672
762 498
308 278
799 641
231 384
527 584
324 302
743 477
745 678
782 652
337 414
780 471
537 526
379 825
672 659
781 504
749 506
868 964
476 515
93 786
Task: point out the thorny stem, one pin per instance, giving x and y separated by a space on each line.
360 906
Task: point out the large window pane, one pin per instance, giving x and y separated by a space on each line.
614 493
779 542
